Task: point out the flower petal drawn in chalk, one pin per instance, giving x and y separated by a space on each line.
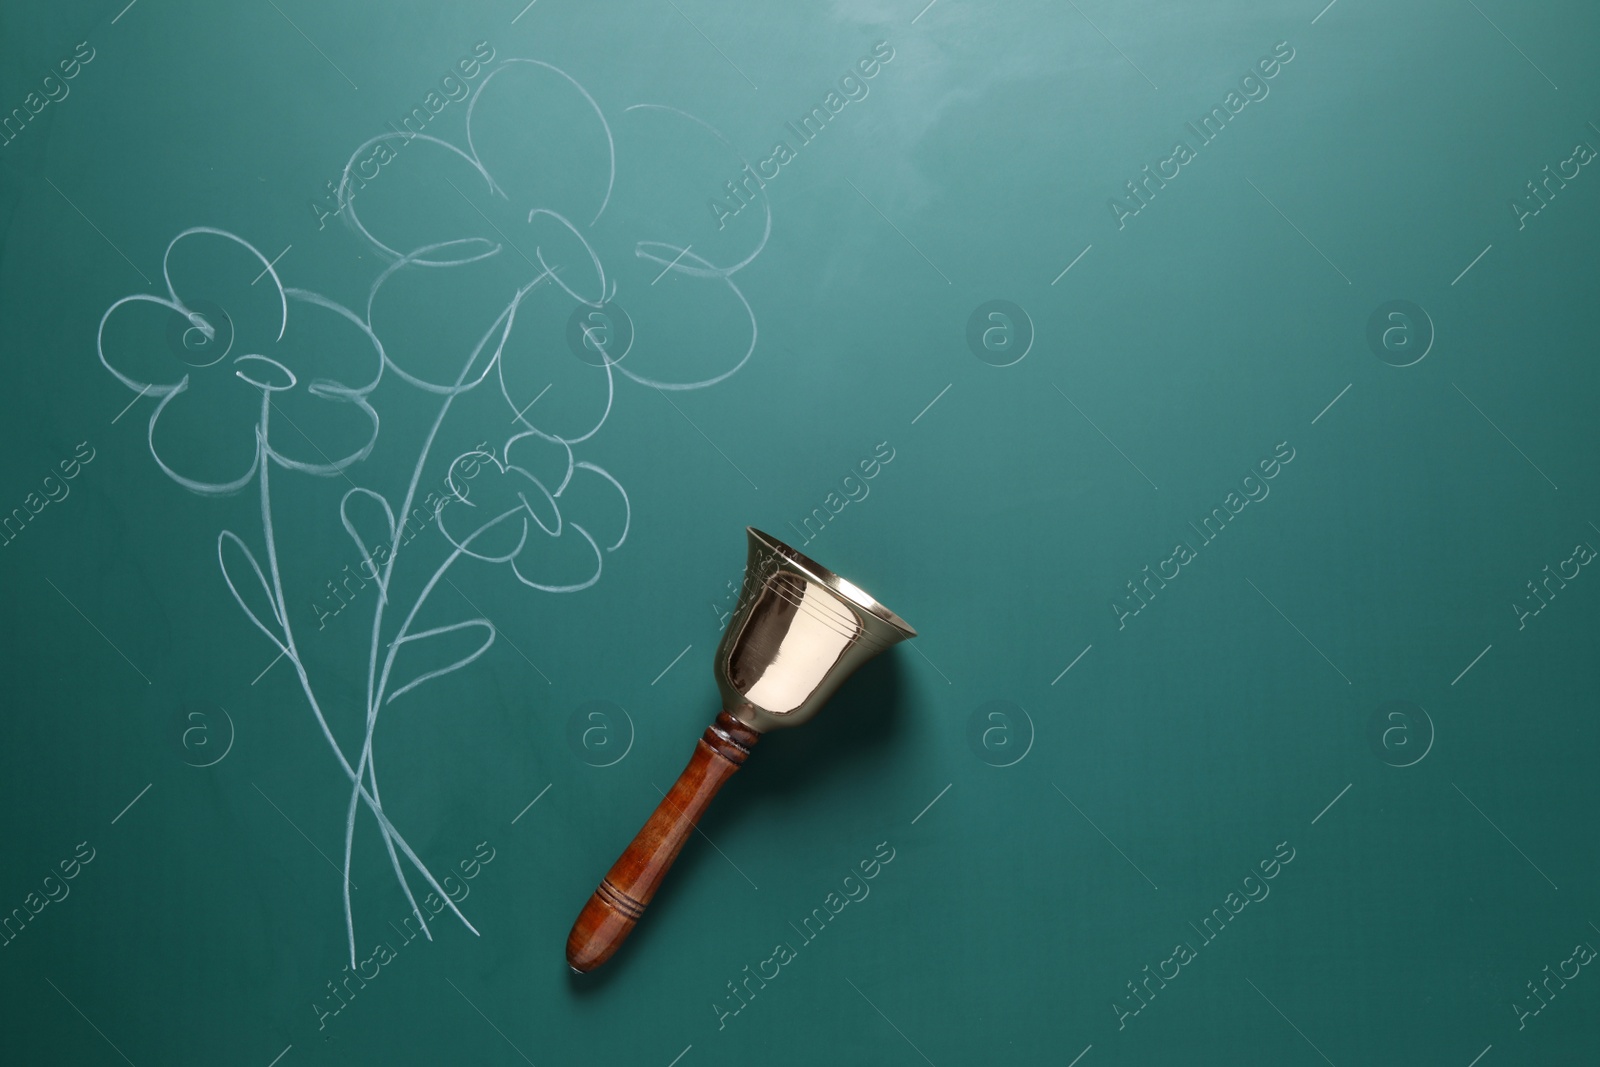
244 375
513 213
431 325
520 511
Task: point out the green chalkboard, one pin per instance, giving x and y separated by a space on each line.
1211 385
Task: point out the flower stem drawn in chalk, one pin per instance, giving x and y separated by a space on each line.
257 366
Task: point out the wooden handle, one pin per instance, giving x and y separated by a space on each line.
609 917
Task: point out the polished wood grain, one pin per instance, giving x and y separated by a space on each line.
619 902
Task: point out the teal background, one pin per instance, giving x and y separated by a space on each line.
1242 708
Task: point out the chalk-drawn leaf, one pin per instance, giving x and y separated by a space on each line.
274 633
441 631
380 537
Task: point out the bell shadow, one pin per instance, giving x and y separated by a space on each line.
846 738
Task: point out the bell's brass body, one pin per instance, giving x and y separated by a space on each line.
798 632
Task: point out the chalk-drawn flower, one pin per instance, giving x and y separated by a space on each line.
537 221
236 377
523 505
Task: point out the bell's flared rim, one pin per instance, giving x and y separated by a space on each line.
843 587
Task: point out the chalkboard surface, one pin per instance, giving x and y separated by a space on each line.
1211 385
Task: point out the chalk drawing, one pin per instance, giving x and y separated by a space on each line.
519 515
